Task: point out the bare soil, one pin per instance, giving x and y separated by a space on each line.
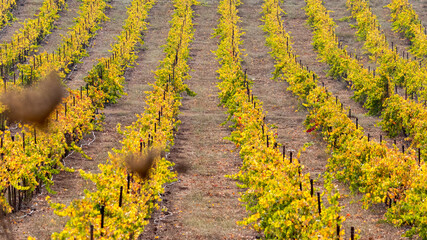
283 109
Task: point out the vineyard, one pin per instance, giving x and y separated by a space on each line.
202 119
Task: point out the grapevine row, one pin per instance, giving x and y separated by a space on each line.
118 209
369 89
398 114
72 48
344 137
107 75
380 173
6 7
375 90
278 196
31 157
27 38
405 20
393 67
22 171
76 126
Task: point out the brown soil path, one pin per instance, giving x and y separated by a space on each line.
287 114
203 204
42 222
283 109
24 9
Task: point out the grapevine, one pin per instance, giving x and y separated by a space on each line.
382 174
153 129
76 117
31 157
399 114
405 20
277 196
5 11
402 72
27 38
376 91
72 48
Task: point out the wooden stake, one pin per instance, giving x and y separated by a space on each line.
121 195
311 187
128 178
102 216
284 152
91 232
338 228
352 233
